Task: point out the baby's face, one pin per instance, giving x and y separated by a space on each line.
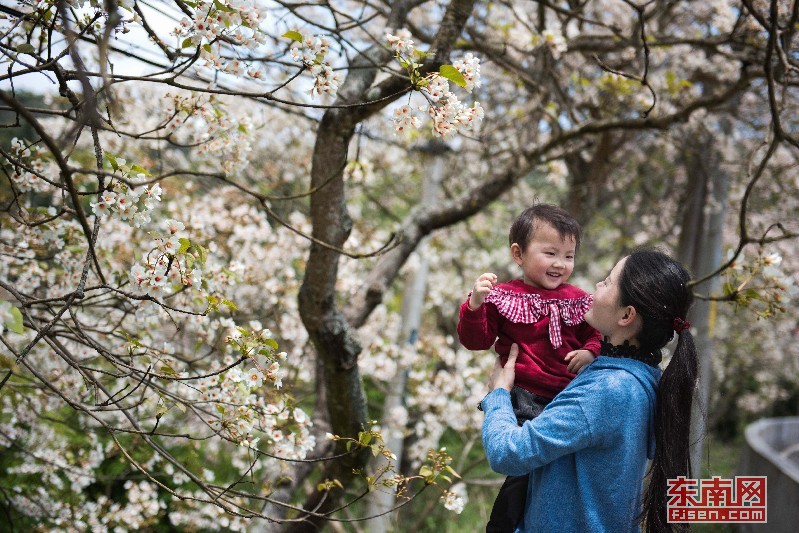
548 259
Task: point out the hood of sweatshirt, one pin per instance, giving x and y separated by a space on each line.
647 376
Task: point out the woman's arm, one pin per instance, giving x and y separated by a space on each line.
561 429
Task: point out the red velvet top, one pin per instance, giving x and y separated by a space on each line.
546 324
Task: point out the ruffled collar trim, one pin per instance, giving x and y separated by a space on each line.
529 308
652 358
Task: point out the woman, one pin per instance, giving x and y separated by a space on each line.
587 452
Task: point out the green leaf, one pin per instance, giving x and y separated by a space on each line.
185 244
15 323
452 471
139 170
202 252
271 342
230 305
242 128
293 35
8 362
113 161
452 74
131 340
186 42
752 294
161 409
222 7
207 47
728 289
166 369
25 48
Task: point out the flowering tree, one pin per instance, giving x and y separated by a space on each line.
206 206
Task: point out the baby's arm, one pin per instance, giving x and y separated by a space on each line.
478 324
482 287
579 359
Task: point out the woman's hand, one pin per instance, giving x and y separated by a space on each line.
504 376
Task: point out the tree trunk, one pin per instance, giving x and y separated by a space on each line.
333 337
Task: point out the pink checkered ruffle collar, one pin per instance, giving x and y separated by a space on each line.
528 308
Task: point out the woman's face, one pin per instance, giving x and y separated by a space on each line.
606 310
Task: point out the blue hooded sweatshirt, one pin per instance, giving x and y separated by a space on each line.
586 453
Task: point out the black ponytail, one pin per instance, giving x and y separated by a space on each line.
672 427
657 287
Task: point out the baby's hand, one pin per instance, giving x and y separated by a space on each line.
578 360
482 287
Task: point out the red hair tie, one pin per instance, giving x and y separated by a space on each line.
681 325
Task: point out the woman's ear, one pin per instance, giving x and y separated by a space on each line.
516 253
628 317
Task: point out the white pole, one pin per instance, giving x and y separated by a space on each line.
384 499
708 258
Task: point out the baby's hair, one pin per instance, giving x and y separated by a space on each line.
524 226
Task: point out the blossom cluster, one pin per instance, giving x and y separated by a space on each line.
245 413
169 263
233 22
220 137
311 52
246 418
760 280
253 343
455 499
127 203
444 107
31 168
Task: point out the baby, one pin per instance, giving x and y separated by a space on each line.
543 315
